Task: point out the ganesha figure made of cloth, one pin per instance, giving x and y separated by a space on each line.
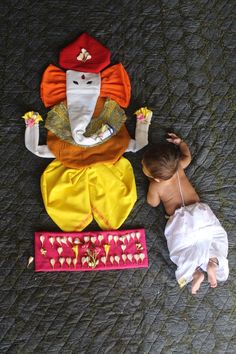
87 137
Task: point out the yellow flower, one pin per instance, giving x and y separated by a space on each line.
106 248
182 282
143 111
31 118
75 248
144 115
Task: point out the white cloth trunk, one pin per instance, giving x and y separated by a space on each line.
194 234
32 142
82 92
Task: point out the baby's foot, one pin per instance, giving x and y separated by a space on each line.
198 278
211 272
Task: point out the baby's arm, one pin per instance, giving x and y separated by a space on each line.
185 154
184 149
153 197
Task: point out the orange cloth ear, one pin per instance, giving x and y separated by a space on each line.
115 84
53 86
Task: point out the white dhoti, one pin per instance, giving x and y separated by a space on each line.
194 234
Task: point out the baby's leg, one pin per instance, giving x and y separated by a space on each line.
198 278
211 271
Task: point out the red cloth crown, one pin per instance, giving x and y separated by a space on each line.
84 54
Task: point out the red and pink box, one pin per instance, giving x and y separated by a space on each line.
91 250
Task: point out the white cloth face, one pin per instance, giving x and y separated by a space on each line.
194 235
82 90
32 142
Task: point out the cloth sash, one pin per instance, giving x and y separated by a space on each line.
78 157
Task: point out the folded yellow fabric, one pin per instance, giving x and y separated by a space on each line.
73 197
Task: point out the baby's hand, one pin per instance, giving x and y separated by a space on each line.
173 138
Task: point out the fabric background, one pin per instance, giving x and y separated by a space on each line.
180 56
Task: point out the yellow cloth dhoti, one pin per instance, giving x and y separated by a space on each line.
72 197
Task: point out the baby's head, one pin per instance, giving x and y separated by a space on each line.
160 161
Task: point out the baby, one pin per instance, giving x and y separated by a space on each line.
196 240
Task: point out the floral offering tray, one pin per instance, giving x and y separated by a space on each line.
87 251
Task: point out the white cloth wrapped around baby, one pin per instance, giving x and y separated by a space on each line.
194 234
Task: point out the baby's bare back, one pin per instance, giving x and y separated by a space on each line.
169 192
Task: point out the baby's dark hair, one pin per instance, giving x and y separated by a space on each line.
162 160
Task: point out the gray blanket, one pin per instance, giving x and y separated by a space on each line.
180 56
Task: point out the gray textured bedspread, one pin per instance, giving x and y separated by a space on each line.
180 56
